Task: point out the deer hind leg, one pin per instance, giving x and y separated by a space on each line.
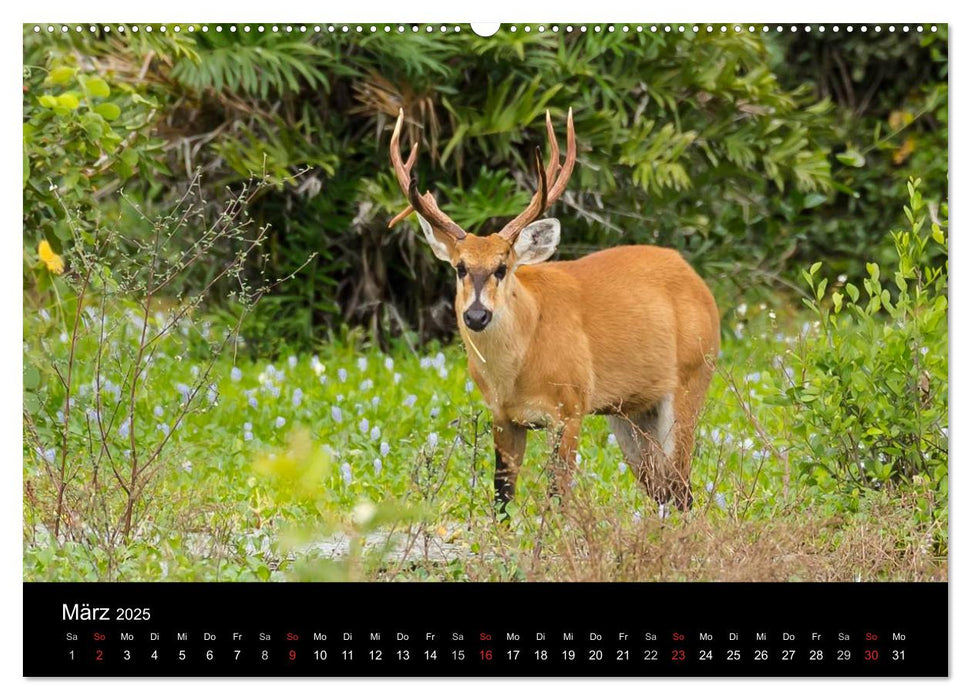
648 441
688 404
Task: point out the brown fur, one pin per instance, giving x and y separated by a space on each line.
614 332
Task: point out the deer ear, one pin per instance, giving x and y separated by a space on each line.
440 243
537 242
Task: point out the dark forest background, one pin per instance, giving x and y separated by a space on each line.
755 153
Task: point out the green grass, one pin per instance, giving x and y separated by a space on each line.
284 452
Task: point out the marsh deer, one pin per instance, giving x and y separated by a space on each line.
631 332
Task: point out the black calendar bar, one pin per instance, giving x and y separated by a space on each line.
521 629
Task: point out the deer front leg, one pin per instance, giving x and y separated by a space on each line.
510 443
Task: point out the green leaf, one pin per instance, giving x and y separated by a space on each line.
62 230
60 75
821 289
93 125
852 158
853 291
885 299
96 87
68 100
31 377
814 200
900 281
48 101
32 402
809 279
108 110
814 268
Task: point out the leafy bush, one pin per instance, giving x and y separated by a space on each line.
871 385
85 135
891 122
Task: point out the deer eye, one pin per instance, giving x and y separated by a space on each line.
460 269
500 271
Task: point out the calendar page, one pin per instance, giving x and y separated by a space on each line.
551 349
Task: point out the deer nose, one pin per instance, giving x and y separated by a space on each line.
477 318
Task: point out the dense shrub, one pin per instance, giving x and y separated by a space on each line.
86 133
870 384
892 119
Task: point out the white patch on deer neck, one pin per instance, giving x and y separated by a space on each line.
665 424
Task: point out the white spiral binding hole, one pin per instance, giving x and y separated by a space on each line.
65 29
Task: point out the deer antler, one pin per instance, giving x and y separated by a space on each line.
542 200
424 204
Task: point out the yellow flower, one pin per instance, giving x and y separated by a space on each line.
54 262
